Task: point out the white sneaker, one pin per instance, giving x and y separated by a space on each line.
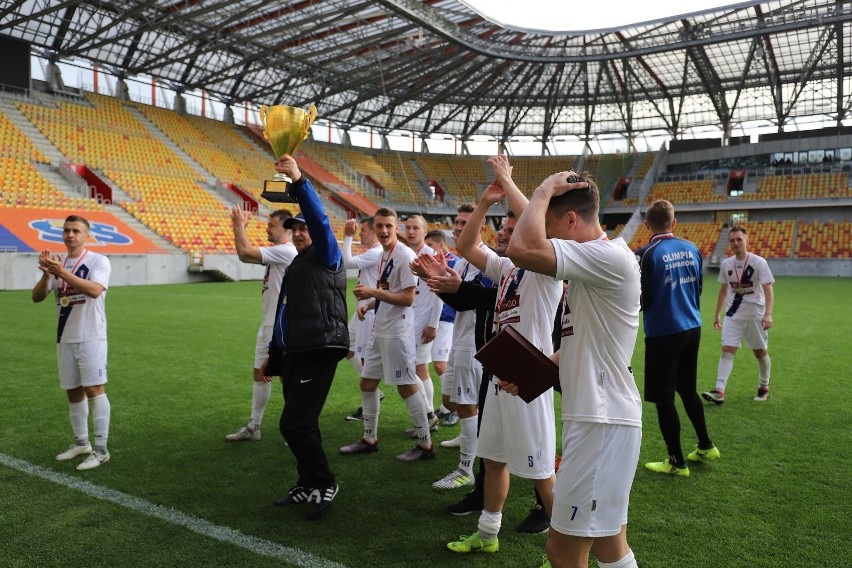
456 479
94 460
244 433
454 443
74 451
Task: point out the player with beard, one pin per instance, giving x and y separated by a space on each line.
515 437
276 258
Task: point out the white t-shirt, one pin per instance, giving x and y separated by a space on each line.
427 305
80 317
276 258
600 321
366 263
526 300
464 330
394 275
745 280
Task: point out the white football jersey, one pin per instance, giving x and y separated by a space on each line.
525 300
366 262
79 317
427 305
394 275
745 280
276 258
464 330
600 321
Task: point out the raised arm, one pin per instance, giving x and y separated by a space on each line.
319 226
348 235
245 251
503 174
468 243
529 247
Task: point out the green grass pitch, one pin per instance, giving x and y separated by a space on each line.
180 379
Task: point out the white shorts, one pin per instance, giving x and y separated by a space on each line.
750 329
424 352
360 333
462 377
593 483
82 364
391 359
521 435
443 342
261 348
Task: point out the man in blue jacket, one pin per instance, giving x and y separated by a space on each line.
310 336
671 290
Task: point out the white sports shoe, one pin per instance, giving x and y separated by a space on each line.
454 443
244 433
94 460
457 478
74 451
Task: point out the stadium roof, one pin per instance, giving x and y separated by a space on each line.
436 66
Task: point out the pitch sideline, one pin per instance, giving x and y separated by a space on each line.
197 525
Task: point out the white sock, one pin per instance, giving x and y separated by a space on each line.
356 364
370 406
100 420
726 365
443 409
429 395
79 412
259 399
417 410
469 441
764 366
628 561
489 524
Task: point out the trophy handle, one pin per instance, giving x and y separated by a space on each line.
264 110
309 120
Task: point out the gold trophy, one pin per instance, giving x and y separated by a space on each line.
285 127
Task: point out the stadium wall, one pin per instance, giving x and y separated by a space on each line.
825 267
18 270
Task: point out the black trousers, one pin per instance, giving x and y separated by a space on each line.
306 381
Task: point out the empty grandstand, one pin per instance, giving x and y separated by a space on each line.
171 175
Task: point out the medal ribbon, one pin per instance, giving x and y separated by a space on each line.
740 275
383 260
64 285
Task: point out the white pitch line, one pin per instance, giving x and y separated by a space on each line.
197 525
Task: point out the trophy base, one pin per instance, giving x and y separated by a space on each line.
275 190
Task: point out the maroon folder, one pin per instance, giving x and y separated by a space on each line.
511 357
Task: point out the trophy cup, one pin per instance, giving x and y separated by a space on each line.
285 127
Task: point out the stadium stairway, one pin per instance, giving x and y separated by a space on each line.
719 250
210 181
16 117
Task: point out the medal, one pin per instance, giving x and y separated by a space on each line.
64 301
739 288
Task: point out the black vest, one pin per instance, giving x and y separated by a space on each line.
316 305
